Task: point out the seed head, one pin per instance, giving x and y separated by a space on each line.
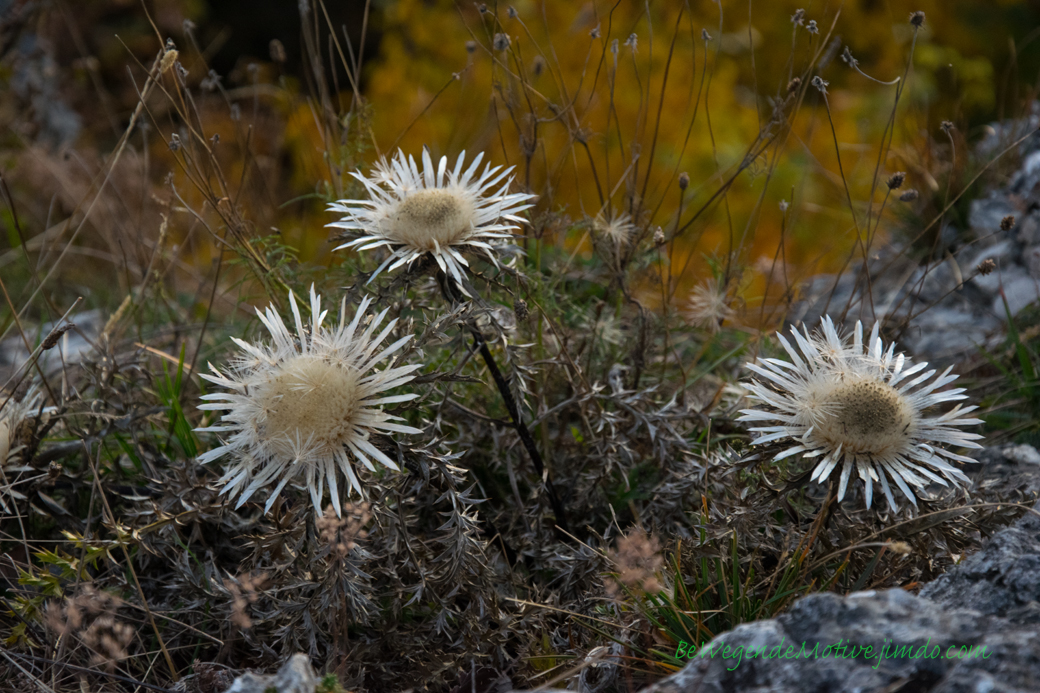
169 58
895 181
708 306
56 333
909 195
684 180
618 228
501 42
986 266
812 28
899 547
638 560
521 310
820 83
917 19
1007 223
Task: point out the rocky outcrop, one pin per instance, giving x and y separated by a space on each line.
973 629
952 309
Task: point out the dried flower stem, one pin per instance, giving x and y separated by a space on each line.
452 296
130 566
85 670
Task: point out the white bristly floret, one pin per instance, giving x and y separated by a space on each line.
437 211
306 404
861 408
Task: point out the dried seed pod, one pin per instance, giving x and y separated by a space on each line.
521 310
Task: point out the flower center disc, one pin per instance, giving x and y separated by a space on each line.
309 398
866 417
431 215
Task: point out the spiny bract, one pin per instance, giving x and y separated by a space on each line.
860 406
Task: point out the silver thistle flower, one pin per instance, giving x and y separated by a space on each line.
434 211
306 404
862 407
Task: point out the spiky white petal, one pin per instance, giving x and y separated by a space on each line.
863 408
303 405
435 211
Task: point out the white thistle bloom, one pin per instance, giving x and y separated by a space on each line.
862 408
306 404
12 414
435 211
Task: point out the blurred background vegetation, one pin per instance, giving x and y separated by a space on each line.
431 76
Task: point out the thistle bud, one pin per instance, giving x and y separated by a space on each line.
277 50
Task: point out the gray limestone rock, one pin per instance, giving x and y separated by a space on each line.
974 629
1002 579
868 641
295 676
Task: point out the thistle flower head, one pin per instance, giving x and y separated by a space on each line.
12 413
860 407
306 404
435 211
